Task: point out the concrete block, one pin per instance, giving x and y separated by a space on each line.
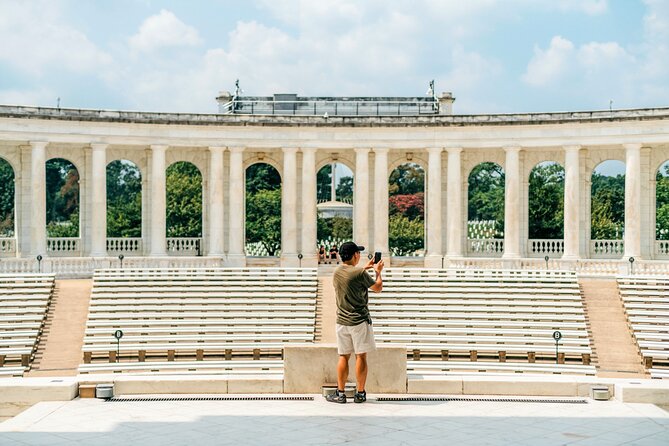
517 386
308 366
646 391
147 385
34 390
450 385
255 384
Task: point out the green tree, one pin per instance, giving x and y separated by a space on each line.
183 185
546 202
263 219
62 198
263 207
486 194
124 199
6 199
407 179
662 203
345 189
405 236
324 183
608 207
342 228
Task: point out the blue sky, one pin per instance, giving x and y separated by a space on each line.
494 55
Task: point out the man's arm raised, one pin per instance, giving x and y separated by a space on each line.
378 285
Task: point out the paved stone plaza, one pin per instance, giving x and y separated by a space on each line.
317 422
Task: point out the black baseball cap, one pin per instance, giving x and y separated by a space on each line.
348 249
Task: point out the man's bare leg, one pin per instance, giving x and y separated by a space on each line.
342 371
361 370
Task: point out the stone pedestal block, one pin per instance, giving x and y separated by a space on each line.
308 366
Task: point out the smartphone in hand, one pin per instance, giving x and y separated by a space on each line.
377 257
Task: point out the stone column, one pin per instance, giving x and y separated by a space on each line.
158 218
98 200
38 198
381 203
434 255
512 203
236 255
361 199
632 200
309 213
289 208
216 194
572 202
454 198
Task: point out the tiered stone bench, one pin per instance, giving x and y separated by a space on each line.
646 302
214 320
468 321
24 300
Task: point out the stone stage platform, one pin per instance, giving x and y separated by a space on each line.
248 422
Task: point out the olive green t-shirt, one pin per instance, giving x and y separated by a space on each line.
351 286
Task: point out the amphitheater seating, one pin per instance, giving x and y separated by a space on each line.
24 299
646 302
459 321
172 319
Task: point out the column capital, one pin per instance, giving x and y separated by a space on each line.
99 146
363 150
436 150
308 149
632 146
572 147
289 149
381 150
218 149
236 149
454 150
512 148
38 144
159 147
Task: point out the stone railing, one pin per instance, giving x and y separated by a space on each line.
545 247
662 249
184 246
606 249
490 247
125 245
63 246
7 247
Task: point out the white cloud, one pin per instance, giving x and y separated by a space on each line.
39 96
163 30
547 66
600 57
35 39
590 7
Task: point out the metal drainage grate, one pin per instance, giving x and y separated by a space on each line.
485 400
118 399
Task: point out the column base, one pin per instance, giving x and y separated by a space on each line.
98 254
434 261
570 257
309 261
235 260
290 260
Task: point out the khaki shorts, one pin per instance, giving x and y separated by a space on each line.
355 339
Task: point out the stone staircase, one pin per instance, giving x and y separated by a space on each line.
59 349
614 351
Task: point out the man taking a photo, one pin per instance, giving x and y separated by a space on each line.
354 324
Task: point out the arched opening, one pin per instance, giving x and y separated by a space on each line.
183 183
263 210
7 206
406 209
607 209
62 207
546 209
485 210
334 198
124 207
662 211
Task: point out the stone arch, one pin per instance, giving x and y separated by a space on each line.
546 201
7 199
485 201
607 208
406 209
263 185
124 199
662 207
334 220
183 194
63 210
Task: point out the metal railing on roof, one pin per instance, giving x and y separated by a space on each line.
324 108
